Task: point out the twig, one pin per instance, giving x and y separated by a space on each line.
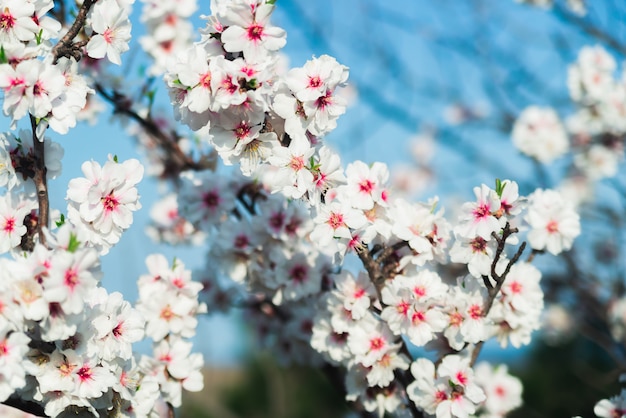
179 160
41 183
492 290
66 46
25 406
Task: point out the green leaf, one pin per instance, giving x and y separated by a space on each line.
270 2
3 56
253 84
115 158
61 221
74 243
499 187
38 37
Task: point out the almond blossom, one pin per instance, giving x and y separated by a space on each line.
102 202
111 29
554 224
250 32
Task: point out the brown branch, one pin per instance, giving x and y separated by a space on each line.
168 142
66 46
589 29
25 406
492 290
41 183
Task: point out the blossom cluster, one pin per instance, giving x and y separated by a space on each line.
281 231
281 260
594 132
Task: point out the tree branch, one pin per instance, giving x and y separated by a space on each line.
66 46
41 183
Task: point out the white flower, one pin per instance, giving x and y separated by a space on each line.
102 202
538 133
503 391
251 33
12 214
13 348
554 223
112 31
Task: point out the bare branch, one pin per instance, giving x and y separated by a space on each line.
66 47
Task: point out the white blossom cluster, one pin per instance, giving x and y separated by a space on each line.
594 132
279 259
67 342
279 232
168 28
576 6
168 299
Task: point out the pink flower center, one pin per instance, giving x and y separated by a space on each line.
419 291
339 338
9 225
499 391
84 373
440 396
7 21
242 130
418 317
385 361
205 80
516 287
292 227
110 203
461 378
118 331
552 227
71 278
377 343
456 319
171 19
478 245
335 220
241 242
166 313
248 71
211 199
475 311
255 32
403 308
4 348
482 211
315 82
298 274
358 293
366 186
17 81
108 36
324 101
320 180
38 89
229 86
505 207
277 220
296 163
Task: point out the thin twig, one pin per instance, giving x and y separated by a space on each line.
66 46
25 406
179 160
41 183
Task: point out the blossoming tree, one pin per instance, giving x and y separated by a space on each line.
333 267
